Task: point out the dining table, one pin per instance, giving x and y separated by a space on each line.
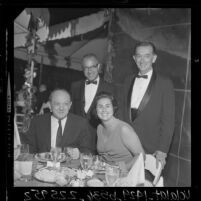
135 177
32 181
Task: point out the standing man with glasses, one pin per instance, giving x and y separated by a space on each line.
84 91
150 103
59 129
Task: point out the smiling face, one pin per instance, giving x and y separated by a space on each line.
60 103
144 58
90 67
104 109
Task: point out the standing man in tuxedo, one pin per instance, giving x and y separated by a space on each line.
84 91
150 103
59 128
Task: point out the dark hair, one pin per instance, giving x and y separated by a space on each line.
145 43
108 95
58 89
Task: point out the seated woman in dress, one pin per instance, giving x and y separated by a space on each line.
117 141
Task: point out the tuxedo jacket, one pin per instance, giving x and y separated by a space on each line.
76 134
78 99
154 123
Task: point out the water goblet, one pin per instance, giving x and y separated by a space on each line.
112 175
24 152
86 161
55 152
68 153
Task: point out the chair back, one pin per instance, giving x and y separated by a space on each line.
150 165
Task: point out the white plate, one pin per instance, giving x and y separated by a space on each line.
51 175
47 175
46 156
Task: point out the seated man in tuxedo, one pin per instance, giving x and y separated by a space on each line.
59 128
84 91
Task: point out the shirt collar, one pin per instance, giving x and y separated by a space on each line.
55 119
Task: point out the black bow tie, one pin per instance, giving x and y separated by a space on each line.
142 76
91 82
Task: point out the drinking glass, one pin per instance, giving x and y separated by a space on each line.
24 152
86 161
68 151
55 152
112 175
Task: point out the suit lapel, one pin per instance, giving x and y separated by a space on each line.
67 130
47 130
147 94
82 96
130 95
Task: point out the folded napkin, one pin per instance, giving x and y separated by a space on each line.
136 175
160 182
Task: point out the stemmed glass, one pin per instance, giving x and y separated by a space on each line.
55 153
86 161
68 153
112 175
24 152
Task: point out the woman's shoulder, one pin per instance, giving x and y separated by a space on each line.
125 128
124 125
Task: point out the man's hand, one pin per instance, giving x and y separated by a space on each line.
160 156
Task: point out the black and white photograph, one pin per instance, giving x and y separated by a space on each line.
101 97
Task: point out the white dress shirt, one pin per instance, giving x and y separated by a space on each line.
90 92
54 128
139 89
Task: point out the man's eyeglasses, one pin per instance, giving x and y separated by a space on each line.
90 67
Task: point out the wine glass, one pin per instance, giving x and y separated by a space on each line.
86 161
55 153
112 175
68 153
24 152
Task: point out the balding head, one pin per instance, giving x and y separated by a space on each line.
60 102
90 65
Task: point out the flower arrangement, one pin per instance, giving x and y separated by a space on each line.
30 72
